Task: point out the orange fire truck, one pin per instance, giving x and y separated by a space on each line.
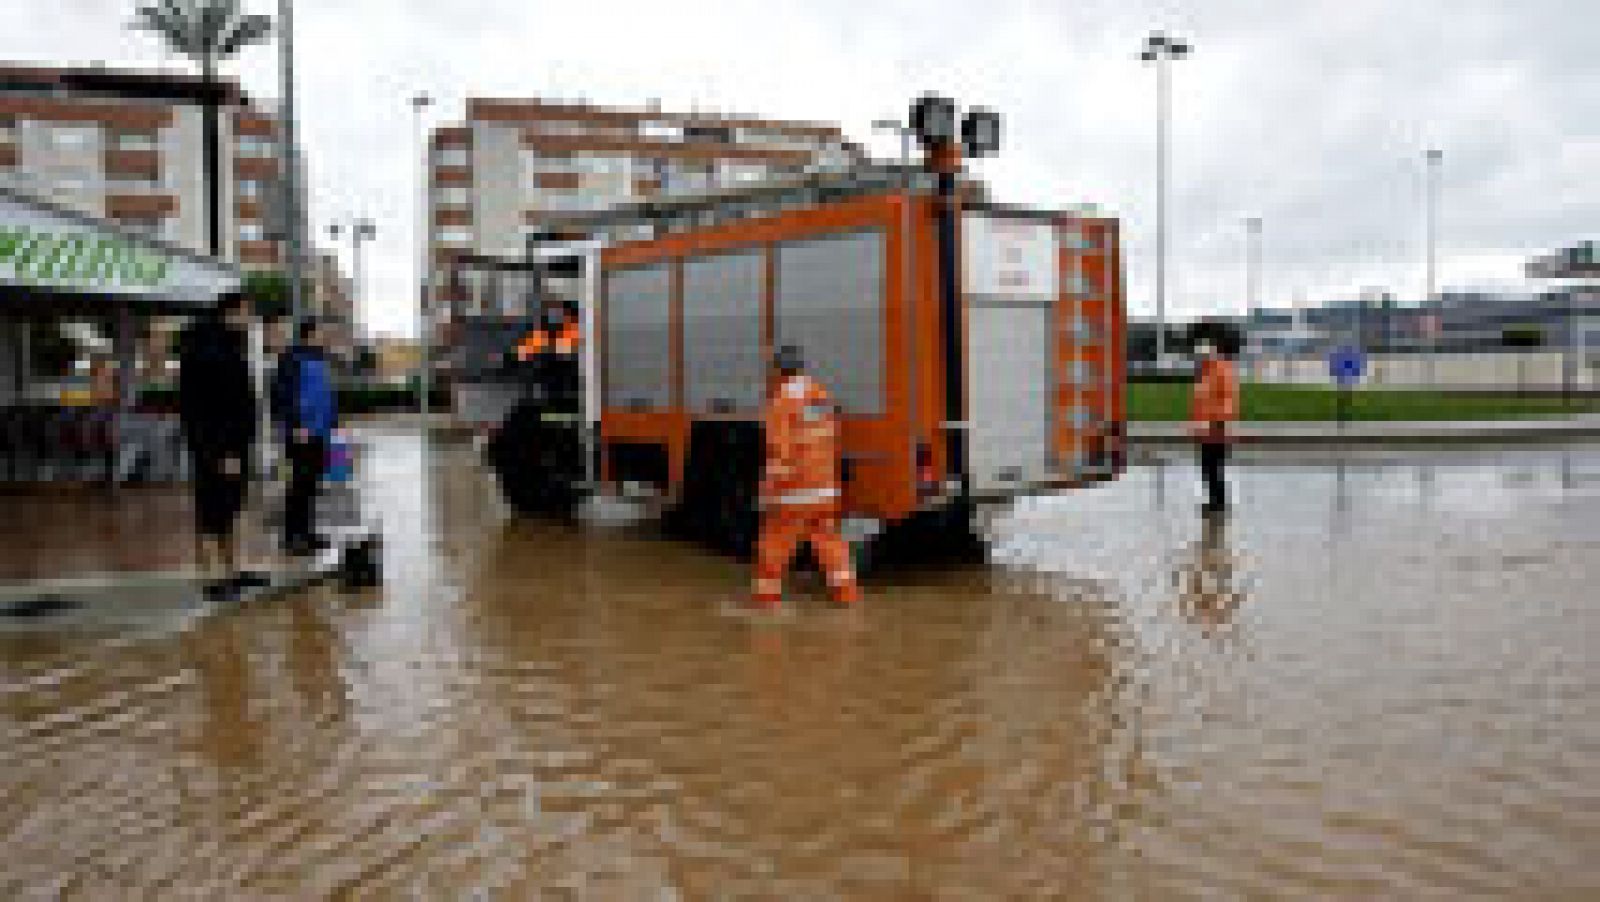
974 357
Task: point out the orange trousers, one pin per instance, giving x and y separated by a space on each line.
783 528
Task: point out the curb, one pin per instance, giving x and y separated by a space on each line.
1380 432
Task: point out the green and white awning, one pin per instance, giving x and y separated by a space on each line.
56 252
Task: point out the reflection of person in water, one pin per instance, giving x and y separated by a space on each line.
314 662
1206 578
799 673
229 736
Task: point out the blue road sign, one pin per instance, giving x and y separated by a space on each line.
1346 364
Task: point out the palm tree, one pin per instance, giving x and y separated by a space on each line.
208 32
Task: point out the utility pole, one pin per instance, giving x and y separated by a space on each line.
419 104
361 230
1252 277
1434 158
289 155
1162 50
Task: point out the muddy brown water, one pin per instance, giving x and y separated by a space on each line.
1370 681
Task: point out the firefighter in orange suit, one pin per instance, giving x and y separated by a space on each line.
560 334
1215 405
800 485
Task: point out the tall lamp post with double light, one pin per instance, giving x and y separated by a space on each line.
419 106
1434 158
359 230
1252 284
289 154
1161 49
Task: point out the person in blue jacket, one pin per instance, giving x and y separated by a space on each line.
306 410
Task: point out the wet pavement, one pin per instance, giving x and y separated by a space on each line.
1375 679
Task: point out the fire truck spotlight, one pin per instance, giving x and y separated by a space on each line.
980 132
933 119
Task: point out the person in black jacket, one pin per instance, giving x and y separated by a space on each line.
217 408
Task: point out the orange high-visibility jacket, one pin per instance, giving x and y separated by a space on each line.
802 437
1216 393
539 341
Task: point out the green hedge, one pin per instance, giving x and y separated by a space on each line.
1258 402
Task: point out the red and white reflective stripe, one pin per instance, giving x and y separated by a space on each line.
806 496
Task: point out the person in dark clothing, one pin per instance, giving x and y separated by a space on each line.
305 409
218 412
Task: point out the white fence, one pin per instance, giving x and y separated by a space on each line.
1532 370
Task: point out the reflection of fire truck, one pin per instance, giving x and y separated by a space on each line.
1008 382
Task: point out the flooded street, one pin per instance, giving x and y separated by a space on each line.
1379 679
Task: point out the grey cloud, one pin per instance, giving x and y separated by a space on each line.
1312 115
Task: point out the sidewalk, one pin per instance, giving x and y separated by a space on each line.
441 423
1554 429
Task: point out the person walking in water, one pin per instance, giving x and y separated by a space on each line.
800 486
1215 406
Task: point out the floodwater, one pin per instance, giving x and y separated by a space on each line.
1372 680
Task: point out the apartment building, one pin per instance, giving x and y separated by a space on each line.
128 146
514 164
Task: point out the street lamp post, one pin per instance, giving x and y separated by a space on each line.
361 230
1161 49
289 153
419 105
1434 158
1252 276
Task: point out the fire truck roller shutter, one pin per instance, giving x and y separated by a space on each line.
1011 287
638 338
724 371
830 297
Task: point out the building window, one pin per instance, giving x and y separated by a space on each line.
144 225
454 196
8 128
249 189
73 137
566 127
251 231
598 164
131 182
661 131
453 235
137 141
573 201
453 156
257 147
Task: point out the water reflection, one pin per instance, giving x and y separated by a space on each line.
1209 593
231 734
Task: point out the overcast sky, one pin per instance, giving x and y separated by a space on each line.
1312 114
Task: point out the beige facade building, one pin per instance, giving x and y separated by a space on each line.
128 146
513 164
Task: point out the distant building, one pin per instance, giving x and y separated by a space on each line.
128 146
1457 322
514 164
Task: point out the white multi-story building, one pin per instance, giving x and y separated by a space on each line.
514 164
128 146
